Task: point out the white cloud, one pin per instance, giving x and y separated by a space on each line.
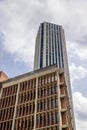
77 50
80 106
18 39
77 72
20 19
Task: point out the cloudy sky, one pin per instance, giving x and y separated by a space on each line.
19 22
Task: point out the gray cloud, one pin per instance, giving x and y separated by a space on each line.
83 41
81 115
71 14
80 105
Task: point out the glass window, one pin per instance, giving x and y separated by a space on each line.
48 118
34 94
42 80
55 128
45 79
44 119
30 108
25 123
28 123
56 102
49 103
53 117
53 102
37 121
52 89
44 91
55 88
49 90
32 122
52 77
41 119
55 76
41 105
41 92
38 108
57 117
38 93
49 78
26 109
45 105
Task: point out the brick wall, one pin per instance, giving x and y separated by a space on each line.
3 76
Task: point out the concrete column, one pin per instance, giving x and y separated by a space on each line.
36 103
15 107
1 92
59 102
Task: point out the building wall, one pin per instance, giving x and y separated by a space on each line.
38 101
3 76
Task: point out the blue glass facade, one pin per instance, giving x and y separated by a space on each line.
50 46
41 49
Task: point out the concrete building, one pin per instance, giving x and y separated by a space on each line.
36 101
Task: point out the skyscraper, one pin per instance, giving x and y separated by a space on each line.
50 45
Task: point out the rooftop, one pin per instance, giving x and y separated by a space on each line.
30 73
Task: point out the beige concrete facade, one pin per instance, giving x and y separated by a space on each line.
36 101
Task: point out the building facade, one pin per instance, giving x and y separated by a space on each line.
36 101
49 46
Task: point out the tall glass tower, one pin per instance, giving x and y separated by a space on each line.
50 45
50 49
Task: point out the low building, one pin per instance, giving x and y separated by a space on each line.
36 100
